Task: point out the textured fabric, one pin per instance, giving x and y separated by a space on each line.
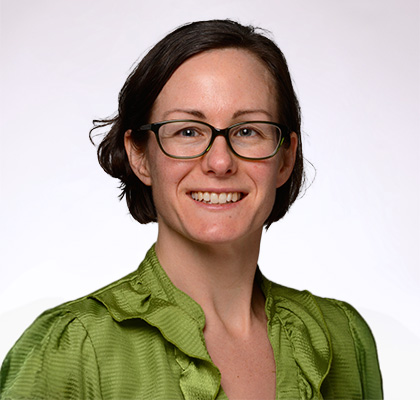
142 338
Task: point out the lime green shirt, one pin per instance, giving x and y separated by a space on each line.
142 338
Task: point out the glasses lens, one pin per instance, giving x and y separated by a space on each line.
184 138
255 139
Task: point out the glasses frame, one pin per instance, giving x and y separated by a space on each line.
154 127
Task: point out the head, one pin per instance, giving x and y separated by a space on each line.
140 91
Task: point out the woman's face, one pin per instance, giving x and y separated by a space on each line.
220 87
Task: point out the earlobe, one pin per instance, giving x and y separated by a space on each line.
137 159
288 160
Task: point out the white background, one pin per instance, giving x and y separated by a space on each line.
353 236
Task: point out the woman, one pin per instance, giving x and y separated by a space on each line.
207 143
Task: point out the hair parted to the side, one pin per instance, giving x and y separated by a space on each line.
146 81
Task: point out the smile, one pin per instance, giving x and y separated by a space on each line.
216 198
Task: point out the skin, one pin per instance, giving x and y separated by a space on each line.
211 251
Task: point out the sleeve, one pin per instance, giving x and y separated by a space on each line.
366 353
53 359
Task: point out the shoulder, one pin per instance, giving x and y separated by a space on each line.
335 314
81 315
353 359
47 358
60 349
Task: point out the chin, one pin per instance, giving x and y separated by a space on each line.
222 235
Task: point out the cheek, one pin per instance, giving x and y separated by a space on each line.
266 174
167 174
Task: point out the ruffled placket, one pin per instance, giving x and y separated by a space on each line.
153 298
300 340
199 380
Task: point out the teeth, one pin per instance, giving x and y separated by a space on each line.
216 198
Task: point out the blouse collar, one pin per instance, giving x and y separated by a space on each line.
149 294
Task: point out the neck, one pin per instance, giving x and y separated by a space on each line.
219 277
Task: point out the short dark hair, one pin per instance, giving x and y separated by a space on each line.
146 81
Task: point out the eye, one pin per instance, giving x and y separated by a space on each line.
188 132
247 132
183 131
191 131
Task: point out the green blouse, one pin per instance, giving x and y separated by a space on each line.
142 338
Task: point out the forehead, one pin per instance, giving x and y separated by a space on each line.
222 79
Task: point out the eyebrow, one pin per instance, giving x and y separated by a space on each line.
245 112
201 115
194 113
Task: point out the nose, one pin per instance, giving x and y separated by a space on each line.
219 160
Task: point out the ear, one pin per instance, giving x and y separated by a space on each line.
288 157
138 159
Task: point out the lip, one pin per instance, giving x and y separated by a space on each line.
218 190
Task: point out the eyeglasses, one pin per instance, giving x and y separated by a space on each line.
186 139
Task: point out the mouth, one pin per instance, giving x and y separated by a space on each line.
217 198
